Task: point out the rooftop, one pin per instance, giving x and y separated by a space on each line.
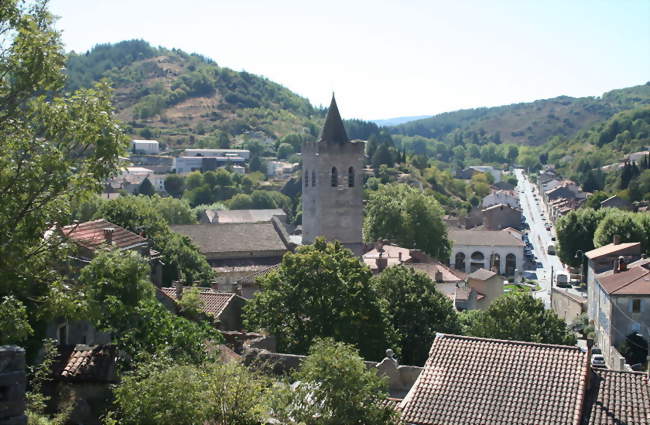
617 398
470 380
212 302
86 363
611 249
92 235
246 216
233 237
633 281
482 274
484 238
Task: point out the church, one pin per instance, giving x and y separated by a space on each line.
332 185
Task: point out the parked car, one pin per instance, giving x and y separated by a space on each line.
550 250
598 360
562 280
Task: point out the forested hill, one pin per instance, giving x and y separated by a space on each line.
187 99
531 123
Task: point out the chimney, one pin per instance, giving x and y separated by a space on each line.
617 239
178 285
622 265
399 256
382 263
108 235
438 276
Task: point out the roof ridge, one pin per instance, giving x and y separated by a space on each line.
633 280
442 335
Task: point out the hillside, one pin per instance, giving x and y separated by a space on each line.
187 99
388 122
531 123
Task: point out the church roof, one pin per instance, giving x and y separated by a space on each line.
333 130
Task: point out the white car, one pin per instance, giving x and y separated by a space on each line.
598 360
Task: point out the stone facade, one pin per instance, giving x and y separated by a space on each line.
12 385
500 216
332 185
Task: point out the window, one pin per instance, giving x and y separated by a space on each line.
351 177
62 334
636 306
313 178
335 177
306 178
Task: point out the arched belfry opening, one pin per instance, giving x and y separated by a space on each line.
335 177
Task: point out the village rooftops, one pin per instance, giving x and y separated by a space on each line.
481 274
633 280
93 234
617 398
469 380
83 363
245 216
212 302
611 249
484 238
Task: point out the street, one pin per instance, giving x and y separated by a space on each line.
539 237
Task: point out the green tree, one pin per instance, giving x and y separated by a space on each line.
241 202
575 232
285 150
382 156
407 216
55 148
416 310
622 223
335 300
256 164
518 317
595 199
146 188
336 387
14 326
175 185
174 211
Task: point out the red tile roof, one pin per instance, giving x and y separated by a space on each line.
611 249
212 302
86 363
470 380
633 281
91 235
618 398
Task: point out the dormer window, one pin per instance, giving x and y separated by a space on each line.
335 177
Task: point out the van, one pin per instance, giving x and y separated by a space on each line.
551 249
562 280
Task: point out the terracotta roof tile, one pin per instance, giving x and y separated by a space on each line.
618 398
633 281
86 363
212 302
470 380
91 235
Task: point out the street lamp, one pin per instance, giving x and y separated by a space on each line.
580 254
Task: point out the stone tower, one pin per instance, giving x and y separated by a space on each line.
332 185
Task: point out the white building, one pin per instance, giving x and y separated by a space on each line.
149 147
187 164
243 153
501 251
280 168
506 197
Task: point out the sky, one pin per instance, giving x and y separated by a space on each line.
386 59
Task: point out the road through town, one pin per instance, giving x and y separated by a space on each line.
536 217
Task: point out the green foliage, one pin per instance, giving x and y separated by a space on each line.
241 202
174 211
216 186
14 326
623 223
416 310
595 199
575 232
140 215
337 387
408 217
178 394
42 171
175 185
518 317
321 290
634 348
146 188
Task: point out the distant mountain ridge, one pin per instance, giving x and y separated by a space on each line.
388 122
532 123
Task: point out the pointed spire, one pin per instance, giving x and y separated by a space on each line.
333 130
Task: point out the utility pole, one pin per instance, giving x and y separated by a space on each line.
551 297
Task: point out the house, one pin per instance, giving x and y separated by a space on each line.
619 305
499 250
209 159
500 216
470 171
617 397
225 307
469 380
488 286
498 197
241 216
604 257
568 305
236 250
147 147
617 202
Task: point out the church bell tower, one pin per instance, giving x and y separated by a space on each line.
332 185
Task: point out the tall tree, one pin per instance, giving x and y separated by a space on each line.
175 185
408 217
416 310
518 317
575 232
55 149
146 188
322 290
622 223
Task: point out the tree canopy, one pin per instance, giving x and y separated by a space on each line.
321 290
518 317
408 217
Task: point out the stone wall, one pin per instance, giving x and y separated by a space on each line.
12 385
